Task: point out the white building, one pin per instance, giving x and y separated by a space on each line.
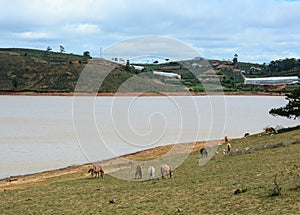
272 80
167 74
138 67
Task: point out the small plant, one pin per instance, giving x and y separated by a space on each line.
243 190
294 172
276 191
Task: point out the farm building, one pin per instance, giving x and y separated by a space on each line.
140 68
167 74
272 80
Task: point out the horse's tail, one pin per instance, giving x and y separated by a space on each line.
170 171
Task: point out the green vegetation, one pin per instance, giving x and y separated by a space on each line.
207 189
39 71
24 70
292 109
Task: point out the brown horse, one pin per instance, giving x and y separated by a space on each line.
138 172
226 139
97 170
270 130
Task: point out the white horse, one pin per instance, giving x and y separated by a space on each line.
203 152
166 170
151 171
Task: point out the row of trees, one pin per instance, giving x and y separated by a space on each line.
283 65
62 50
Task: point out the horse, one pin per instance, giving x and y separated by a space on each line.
270 130
203 152
226 139
138 172
166 169
228 147
246 135
97 170
151 171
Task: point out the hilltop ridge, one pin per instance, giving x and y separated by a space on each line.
40 71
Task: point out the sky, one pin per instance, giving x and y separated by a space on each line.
257 30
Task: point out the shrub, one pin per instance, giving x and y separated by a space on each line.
276 190
294 172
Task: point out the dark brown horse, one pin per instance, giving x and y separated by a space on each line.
226 139
228 145
246 135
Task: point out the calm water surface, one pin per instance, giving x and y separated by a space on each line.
42 133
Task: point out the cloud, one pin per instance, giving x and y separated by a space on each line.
151 46
33 35
217 27
81 28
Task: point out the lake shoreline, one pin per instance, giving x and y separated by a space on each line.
150 94
22 178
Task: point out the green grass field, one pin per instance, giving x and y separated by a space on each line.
193 189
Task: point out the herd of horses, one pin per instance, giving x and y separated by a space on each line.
204 152
166 169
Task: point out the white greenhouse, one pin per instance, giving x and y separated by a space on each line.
272 80
167 74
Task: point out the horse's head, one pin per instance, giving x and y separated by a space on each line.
91 169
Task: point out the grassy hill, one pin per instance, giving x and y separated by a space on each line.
207 189
29 70
40 71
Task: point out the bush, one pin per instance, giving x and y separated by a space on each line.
276 190
294 172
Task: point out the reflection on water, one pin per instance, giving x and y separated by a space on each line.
38 133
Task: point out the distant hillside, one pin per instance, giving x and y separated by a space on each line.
28 70
23 70
36 70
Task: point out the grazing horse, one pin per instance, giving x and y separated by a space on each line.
97 170
246 135
166 170
151 171
228 147
138 172
226 139
203 153
270 130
